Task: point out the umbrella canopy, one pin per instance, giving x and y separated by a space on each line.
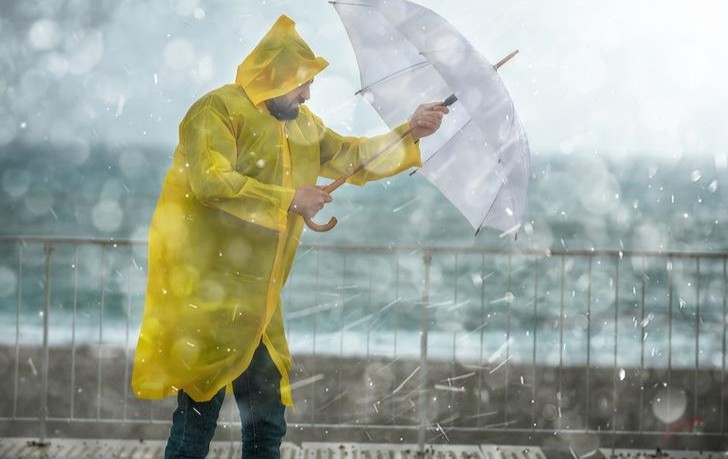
479 158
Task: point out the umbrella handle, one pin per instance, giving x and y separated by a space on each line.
320 228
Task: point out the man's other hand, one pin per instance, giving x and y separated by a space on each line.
308 200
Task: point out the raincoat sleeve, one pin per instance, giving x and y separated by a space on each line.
211 152
340 154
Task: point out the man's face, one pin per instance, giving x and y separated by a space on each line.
285 107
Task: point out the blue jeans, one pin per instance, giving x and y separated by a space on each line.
257 394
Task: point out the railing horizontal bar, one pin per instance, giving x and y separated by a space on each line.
70 240
501 251
93 420
400 248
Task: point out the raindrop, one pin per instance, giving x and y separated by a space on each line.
669 404
721 161
8 128
86 50
44 34
8 281
39 202
132 163
622 374
695 175
179 54
647 320
549 412
368 96
63 140
581 322
16 182
204 70
32 367
712 187
107 215
56 64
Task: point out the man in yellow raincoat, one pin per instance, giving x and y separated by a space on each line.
224 234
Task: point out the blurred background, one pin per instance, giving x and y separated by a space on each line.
624 104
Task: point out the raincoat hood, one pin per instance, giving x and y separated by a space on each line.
281 62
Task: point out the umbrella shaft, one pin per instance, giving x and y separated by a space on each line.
341 180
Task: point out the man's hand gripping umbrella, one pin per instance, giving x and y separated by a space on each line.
309 200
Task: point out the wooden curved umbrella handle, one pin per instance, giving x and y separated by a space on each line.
333 221
320 228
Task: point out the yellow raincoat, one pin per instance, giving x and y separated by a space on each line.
222 240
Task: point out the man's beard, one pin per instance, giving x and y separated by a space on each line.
282 111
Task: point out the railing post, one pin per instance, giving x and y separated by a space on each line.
423 356
47 250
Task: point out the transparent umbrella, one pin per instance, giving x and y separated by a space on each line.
479 158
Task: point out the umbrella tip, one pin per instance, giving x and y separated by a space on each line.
505 59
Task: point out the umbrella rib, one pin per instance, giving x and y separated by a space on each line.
394 75
485 215
347 3
488 212
443 145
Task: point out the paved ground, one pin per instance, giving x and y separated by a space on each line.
63 448
22 448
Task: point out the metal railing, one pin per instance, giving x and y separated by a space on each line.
425 344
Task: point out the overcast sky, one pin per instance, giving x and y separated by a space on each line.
623 77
